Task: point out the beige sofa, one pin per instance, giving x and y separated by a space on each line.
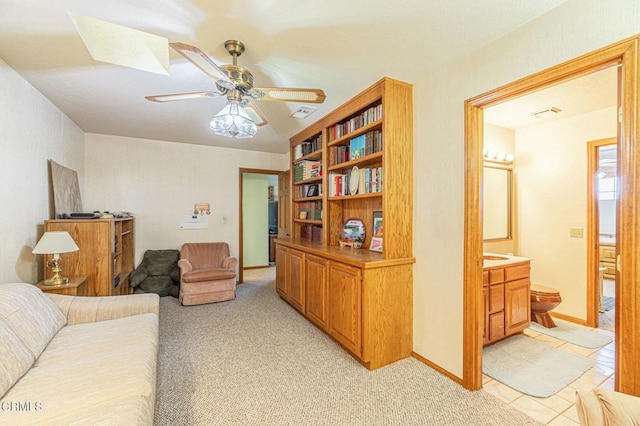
600 407
77 360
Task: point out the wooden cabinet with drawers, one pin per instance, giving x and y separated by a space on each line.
507 303
607 259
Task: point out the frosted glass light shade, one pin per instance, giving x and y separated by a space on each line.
55 242
233 121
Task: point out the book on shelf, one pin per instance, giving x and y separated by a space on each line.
310 210
369 181
364 118
356 147
306 169
307 147
311 233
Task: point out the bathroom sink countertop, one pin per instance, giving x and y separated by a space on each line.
494 260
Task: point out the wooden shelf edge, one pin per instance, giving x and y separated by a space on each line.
310 180
351 197
304 199
315 155
366 160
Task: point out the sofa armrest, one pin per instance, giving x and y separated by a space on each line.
230 263
607 407
82 309
588 408
185 266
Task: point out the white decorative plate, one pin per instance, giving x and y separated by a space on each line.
354 180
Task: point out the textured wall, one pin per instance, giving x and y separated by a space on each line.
158 181
32 131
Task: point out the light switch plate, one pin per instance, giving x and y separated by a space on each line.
576 232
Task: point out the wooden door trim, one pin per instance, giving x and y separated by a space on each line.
242 171
624 53
593 238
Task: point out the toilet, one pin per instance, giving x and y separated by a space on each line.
543 300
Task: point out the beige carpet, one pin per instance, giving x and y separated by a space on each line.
256 361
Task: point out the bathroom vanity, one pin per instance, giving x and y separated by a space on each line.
506 291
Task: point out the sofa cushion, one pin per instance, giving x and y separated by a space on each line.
30 314
207 274
15 358
92 369
87 339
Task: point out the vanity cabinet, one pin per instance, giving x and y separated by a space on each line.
607 258
507 303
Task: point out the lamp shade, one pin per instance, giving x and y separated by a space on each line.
55 242
233 121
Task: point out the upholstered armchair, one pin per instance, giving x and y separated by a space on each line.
207 273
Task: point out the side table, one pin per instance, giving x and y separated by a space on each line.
76 286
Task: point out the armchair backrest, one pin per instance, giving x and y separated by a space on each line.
205 255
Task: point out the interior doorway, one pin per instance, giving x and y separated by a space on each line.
625 54
602 196
258 204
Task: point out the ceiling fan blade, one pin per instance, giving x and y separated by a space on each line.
181 96
198 58
285 94
254 113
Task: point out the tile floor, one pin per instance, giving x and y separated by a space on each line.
559 409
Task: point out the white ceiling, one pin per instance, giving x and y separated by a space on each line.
336 45
581 95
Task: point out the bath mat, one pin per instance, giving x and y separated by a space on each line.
573 333
608 303
532 367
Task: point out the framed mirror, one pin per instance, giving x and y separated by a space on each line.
497 203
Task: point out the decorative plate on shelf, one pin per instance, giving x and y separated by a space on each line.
354 180
353 231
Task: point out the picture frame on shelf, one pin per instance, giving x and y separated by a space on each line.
303 215
376 232
312 191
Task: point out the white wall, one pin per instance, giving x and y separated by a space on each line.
158 181
255 220
552 188
32 131
574 28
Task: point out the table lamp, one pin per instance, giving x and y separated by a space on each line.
54 243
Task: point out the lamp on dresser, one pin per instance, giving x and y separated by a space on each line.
55 242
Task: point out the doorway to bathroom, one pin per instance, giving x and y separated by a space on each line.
624 53
602 193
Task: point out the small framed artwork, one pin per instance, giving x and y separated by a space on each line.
376 233
303 215
312 191
376 244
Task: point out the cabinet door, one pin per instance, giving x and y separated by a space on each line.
317 281
345 306
296 279
281 271
496 326
517 306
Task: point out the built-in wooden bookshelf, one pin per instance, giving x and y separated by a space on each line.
361 298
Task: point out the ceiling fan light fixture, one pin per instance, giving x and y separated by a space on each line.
233 122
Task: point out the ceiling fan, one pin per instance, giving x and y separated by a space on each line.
240 116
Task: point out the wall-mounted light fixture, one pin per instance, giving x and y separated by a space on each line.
497 156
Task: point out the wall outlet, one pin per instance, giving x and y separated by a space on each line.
576 232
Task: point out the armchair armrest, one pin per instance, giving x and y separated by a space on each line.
230 263
82 309
185 266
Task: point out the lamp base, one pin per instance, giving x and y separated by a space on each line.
56 279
